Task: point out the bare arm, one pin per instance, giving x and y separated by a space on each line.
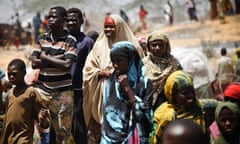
44 118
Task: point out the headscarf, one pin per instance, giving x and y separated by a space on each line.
175 82
109 21
170 110
159 68
142 39
233 91
119 120
97 60
126 49
157 35
235 109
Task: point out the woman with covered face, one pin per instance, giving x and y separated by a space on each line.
159 64
98 67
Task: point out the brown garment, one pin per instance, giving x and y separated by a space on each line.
19 119
99 60
213 9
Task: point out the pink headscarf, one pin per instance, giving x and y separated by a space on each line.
142 39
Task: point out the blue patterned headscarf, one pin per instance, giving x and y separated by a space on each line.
2 74
127 49
119 120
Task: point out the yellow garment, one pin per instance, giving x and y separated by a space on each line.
235 58
167 113
170 110
176 81
99 60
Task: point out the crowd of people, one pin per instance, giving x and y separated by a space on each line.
113 87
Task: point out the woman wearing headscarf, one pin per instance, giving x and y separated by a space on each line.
159 64
226 130
127 99
181 104
98 68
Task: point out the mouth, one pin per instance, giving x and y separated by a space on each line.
190 100
70 27
228 129
108 34
50 24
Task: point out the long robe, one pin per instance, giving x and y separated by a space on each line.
99 60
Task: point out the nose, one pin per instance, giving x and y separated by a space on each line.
115 65
11 77
157 46
50 19
227 122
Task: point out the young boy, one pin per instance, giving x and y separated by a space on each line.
24 107
183 131
54 55
84 45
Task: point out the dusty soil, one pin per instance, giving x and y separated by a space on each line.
187 34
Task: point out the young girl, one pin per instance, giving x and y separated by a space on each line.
226 131
127 98
24 107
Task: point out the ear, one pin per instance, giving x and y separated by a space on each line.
65 18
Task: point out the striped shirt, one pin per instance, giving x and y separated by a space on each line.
53 78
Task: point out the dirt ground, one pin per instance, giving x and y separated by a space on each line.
188 34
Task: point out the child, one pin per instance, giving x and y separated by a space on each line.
127 115
226 130
24 107
183 131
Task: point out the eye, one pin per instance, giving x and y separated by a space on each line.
160 45
230 119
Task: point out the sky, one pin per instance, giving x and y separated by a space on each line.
7 9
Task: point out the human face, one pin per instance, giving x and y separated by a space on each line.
73 23
55 21
186 97
15 75
109 27
228 121
158 47
120 65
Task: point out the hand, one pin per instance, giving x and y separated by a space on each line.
123 81
5 85
36 63
44 118
104 74
43 55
